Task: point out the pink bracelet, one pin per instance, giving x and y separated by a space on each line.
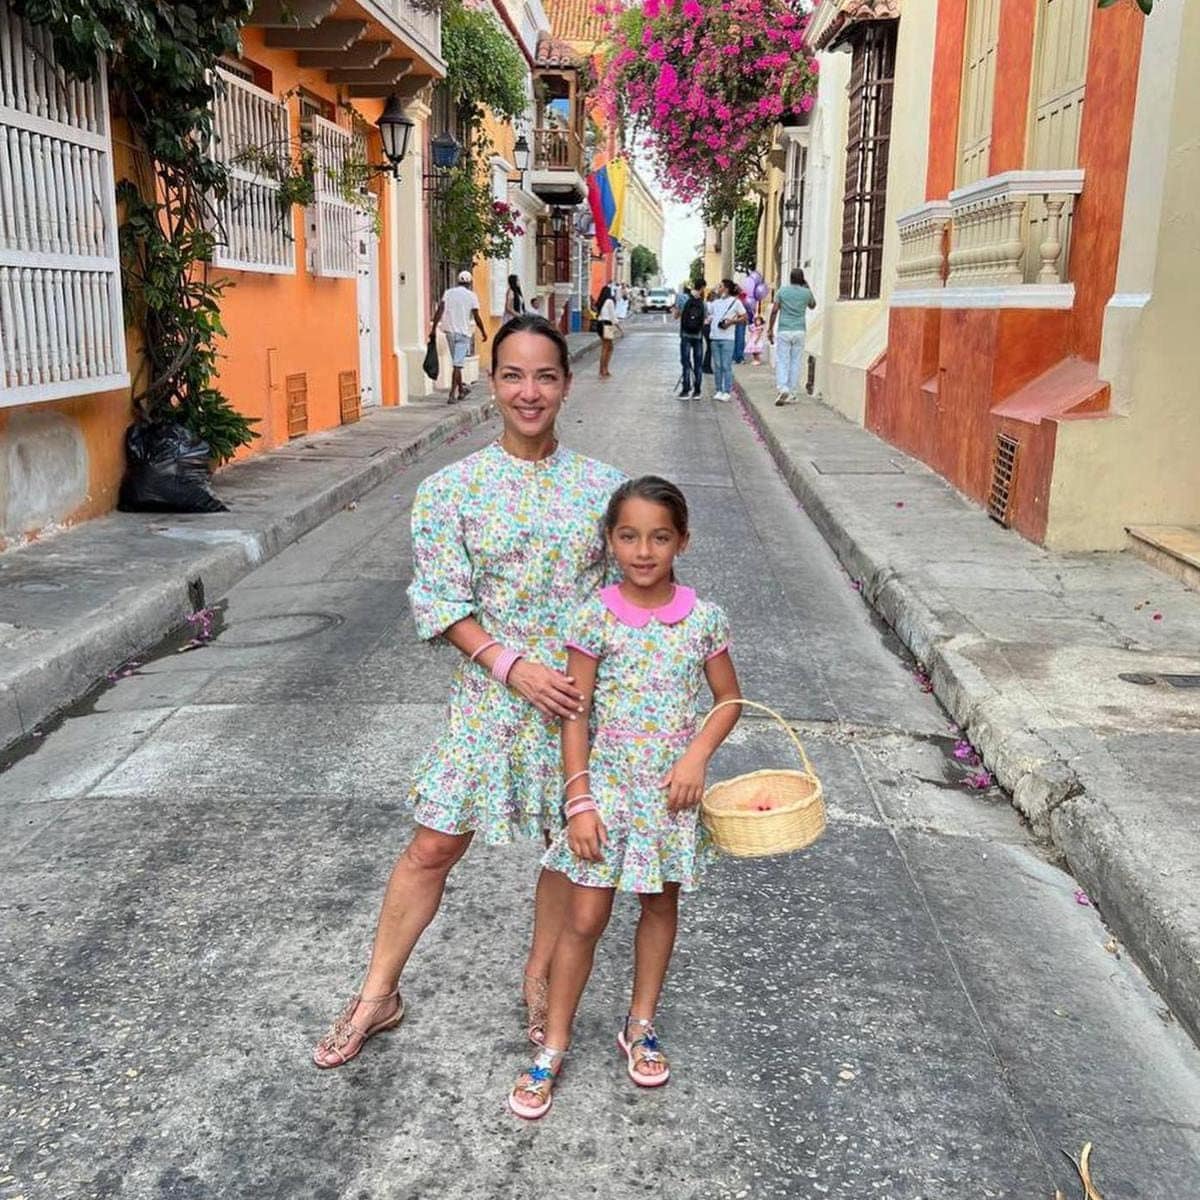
577 775
505 661
581 804
485 646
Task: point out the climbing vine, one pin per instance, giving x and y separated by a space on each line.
160 59
484 71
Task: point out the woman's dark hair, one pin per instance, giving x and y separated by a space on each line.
531 322
797 277
655 490
730 287
605 294
514 286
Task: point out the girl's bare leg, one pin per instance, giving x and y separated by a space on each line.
587 918
413 896
652 949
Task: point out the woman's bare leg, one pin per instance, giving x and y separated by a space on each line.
550 903
413 896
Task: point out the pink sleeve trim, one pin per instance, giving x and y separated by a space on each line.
720 650
583 650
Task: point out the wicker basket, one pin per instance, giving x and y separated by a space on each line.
765 812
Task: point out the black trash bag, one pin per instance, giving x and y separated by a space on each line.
431 366
166 470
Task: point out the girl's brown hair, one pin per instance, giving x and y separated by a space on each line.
655 490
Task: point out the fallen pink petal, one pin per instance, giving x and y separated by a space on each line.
1081 897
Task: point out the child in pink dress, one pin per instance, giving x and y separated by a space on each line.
642 652
754 340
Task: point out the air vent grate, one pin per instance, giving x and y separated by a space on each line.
348 397
1004 474
296 387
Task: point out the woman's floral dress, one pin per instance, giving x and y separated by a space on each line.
649 675
518 545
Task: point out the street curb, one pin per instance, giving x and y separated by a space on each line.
37 690
1036 772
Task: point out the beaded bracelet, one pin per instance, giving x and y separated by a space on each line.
503 664
485 646
577 775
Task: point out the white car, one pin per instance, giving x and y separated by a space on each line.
659 300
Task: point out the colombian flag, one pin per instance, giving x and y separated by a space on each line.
618 178
603 205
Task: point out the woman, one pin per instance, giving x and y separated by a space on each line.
725 315
514 301
789 316
506 545
606 327
622 308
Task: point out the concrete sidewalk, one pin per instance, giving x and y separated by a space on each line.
1073 675
75 606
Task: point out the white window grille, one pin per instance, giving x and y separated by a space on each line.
500 266
252 130
330 219
61 327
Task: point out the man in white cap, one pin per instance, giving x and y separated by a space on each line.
458 306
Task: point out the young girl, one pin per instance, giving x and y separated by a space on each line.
754 340
639 652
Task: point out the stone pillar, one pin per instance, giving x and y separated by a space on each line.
410 287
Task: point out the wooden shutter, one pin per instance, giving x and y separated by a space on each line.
254 231
62 331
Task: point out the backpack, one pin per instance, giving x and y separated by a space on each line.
691 319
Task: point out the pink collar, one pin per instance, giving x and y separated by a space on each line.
671 613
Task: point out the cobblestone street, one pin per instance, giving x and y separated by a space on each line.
918 1007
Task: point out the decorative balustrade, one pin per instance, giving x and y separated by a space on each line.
61 327
424 25
1007 240
1002 235
922 261
556 149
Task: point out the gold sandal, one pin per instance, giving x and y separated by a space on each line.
537 1007
343 1031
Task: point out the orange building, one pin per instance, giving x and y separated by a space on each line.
1041 265
328 308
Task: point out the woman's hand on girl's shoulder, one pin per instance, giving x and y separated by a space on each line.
587 836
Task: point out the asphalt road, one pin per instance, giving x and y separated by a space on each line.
918 1007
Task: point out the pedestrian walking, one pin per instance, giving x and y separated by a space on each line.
789 314
739 331
606 317
622 307
514 301
506 546
640 651
457 308
725 314
693 316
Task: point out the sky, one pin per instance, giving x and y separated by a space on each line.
683 231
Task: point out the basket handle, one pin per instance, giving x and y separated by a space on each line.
770 713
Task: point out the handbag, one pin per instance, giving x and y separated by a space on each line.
431 366
608 331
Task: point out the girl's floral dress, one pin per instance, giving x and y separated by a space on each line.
518 545
645 709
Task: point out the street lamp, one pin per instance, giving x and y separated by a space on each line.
521 154
445 149
395 130
791 209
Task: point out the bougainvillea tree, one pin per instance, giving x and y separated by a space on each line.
703 83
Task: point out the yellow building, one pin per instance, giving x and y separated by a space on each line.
642 225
